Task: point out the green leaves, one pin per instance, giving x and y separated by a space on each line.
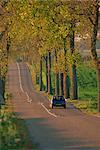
74 58
46 23
8 132
3 63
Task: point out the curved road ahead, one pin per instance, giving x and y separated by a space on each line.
57 129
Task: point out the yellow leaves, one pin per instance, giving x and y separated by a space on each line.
32 22
74 58
23 15
56 68
60 61
64 12
45 22
3 63
63 31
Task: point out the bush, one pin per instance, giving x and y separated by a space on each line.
8 133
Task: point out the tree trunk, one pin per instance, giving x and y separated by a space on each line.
65 83
57 84
40 80
73 75
61 84
73 83
94 32
66 86
56 76
37 78
98 79
49 73
93 46
46 59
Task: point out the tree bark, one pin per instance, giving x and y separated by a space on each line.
94 34
46 59
73 75
61 84
3 44
73 83
56 76
49 73
93 46
57 84
37 78
40 80
4 40
65 83
98 79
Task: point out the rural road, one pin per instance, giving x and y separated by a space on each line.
57 129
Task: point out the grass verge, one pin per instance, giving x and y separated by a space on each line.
86 106
87 96
13 131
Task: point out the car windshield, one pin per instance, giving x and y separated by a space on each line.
58 98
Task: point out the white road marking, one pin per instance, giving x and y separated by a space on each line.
20 78
98 116
48 110
19 73
28 98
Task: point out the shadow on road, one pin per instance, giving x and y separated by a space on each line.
48 137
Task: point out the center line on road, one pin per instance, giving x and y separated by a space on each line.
20 78
28 98
48 111
19 74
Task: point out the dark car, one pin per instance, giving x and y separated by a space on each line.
58 101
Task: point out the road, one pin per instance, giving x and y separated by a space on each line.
57 129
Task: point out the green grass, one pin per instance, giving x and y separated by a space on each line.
88 93
86 76
13 132
87 86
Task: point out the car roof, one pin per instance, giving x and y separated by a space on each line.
59 96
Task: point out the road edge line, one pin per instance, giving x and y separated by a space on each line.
48 110
19 73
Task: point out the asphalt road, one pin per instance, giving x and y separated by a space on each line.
57 129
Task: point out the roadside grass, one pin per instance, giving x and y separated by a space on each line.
88 99
87 89
13 131
88 93
87 106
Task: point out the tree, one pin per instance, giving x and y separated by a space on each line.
56 75
41 28
3 46
94 20
46 66
73 75
90 13
40 79
65 74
